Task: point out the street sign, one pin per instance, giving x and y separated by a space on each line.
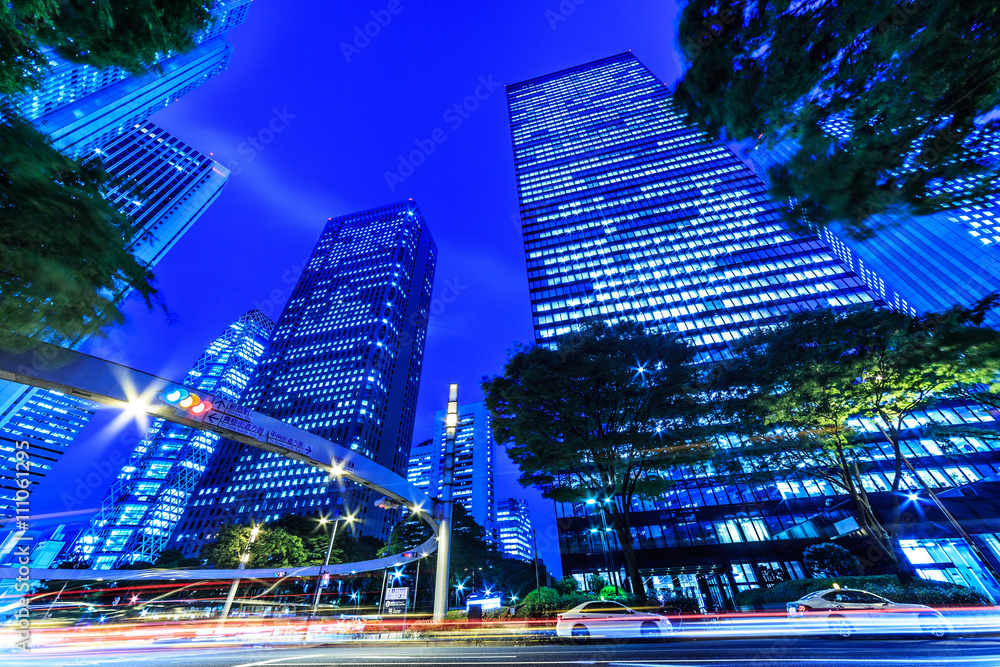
229 407
234 424
276 438
396 600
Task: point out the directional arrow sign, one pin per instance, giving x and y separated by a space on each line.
227 406
289 443
235 424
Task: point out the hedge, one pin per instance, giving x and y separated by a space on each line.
920 591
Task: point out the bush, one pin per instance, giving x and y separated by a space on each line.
546 603
567 585
680 604
920 591
831 560
612 593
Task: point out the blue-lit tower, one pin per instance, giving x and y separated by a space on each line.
143 505
475 452
514 528
629 212
344 363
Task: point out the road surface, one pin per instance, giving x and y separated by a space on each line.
807 652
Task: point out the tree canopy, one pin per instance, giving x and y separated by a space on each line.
63 248
131 35
798 390
274 547
601 417
886 105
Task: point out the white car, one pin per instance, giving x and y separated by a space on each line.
606 620
845 612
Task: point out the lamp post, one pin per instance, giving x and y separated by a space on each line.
444 521
326 563
244 559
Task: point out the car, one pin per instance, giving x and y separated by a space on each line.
606 620
847 612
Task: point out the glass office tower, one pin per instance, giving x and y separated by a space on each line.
514 528
475 452
344 363
174 184
82 108
629 212
933 261
141 508
102 113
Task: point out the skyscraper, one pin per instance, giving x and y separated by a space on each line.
344 363
475 452
176 184
628 212
933 261
102 112
514 528
82 107
143 505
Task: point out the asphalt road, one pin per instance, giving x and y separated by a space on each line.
811 652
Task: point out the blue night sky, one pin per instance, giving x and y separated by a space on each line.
345 119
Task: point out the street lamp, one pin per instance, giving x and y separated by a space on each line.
326 563
244 559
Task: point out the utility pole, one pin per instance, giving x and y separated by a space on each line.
534 546
236 582
444 521
326 563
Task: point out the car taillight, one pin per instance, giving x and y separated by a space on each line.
801 608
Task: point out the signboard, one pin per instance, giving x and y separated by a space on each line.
396 600
235 424
229 407
343 463
276 438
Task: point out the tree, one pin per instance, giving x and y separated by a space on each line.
602 417
830 560
175 559
130 35
567 585
63 248
856 89
274 547
797 388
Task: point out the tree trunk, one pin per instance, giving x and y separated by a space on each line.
624 532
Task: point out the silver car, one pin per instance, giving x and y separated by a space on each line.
845 612
609 620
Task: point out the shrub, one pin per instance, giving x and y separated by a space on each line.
831 560
680 604
567 585
920 591
546 603
612 593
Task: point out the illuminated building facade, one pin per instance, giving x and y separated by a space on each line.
514 528
475 452
167 185
140 510
344 363
175 185
629 212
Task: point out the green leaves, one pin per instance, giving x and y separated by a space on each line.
873 68
63 248
107 33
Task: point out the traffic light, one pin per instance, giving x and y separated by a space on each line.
186 400
324 580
